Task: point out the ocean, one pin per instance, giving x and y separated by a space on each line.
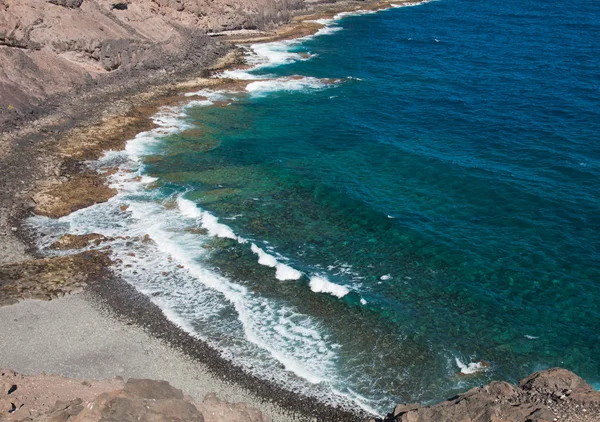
396 209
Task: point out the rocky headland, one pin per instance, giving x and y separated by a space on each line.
79 77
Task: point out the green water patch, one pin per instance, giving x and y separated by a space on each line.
444 299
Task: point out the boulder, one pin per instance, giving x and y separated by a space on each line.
141 400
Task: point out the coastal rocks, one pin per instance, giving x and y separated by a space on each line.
217 410
79 191
89 143
553 394
141 400
72 241
50 398
554 380
51 277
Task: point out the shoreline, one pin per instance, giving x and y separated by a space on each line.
86 138
134 320
97 346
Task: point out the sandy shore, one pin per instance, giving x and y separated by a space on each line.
74 338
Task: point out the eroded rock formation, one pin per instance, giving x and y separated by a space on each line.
51 47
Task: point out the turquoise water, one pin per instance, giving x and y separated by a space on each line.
429 175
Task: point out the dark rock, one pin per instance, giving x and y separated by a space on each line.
119 6
73 4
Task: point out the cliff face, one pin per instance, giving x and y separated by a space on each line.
50 47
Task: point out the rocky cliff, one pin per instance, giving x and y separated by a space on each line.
551 395
50 48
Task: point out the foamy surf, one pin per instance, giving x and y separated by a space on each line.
168 267
470 368
320 284
283 272
301 84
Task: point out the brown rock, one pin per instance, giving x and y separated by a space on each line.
64 411
404 408
79 191
141 400
72 241
51 277
154 390
217 410
552 380
545 396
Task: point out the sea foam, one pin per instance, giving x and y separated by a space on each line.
319 284
470 368
303 84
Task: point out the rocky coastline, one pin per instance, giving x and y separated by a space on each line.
79 77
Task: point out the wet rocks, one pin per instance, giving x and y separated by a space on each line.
79 191
72 241
550 395
51 277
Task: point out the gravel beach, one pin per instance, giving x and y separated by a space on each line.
72 337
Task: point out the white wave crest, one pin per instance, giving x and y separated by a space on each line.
320 284
208 221
305 84
470 368
285 272
263 257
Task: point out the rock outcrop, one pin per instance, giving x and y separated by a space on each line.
49 278
552 395
49 398
51 47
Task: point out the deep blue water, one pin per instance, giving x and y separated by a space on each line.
444 167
